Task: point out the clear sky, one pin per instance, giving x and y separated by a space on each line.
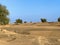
32 10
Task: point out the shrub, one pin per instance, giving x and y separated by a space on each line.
25 22
43 20
59 19
18 21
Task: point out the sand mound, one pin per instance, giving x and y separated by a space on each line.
6 31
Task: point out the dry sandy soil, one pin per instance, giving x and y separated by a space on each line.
30 34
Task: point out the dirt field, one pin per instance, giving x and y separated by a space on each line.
30 34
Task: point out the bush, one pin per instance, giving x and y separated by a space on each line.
25 22
43 20
59 19
18 21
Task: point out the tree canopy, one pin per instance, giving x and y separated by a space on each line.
18 21
4 15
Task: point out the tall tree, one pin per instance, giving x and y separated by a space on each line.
4 15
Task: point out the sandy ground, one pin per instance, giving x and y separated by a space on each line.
30 34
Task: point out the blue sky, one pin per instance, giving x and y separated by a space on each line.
32 10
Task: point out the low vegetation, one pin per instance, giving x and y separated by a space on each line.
18 21
59 19
43 20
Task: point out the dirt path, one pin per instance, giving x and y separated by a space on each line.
3 42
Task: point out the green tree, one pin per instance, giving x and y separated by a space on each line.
59 19
4 15
18 21
43 20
